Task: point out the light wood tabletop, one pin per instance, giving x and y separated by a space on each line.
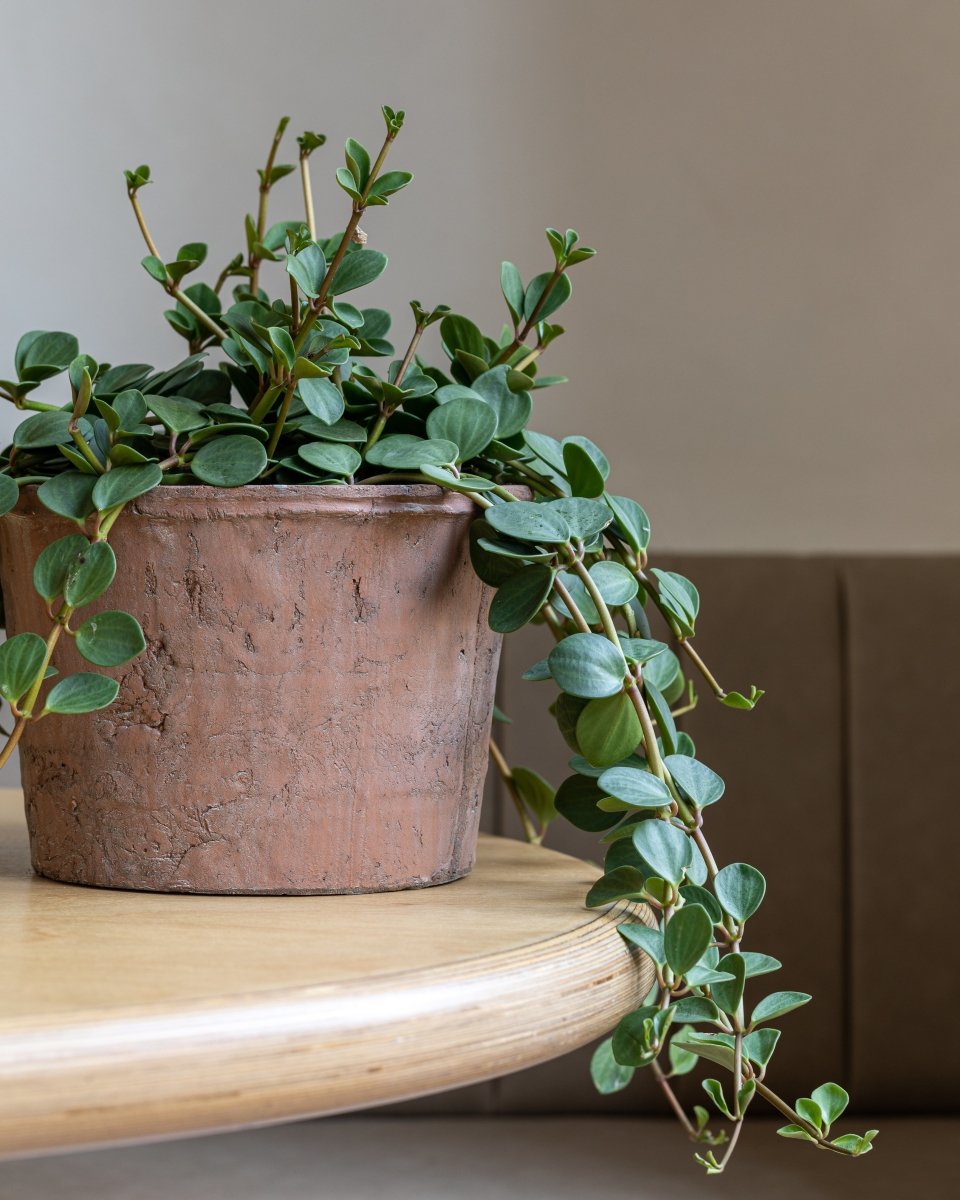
132 1016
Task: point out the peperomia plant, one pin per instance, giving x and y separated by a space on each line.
296 398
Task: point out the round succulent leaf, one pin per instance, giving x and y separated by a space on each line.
178 414
587 665
491 567
586 518
614 582
308 267
777 1004
760 964
728 993
581 598
407 452
641 650
21 658
693 1009
759 1046
9 493
636 787
582 472
358 268
41 353
44 429
110 639
469 424
831 1099
333 458
512 408
227 427
54 563
69 495
229 461
559 289
607 1074
576 800
536 793
463 482
694 893
526 521
663 671
90 574
625 883
82 693
649 940
695 779
608 730
321 398
125 483
632 522
632 1036
740 889
666 850
686 936
520 598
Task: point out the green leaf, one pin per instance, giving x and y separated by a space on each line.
388 184
405 452
608 729
43 430
577 800
729 993
585 664
456 483
715 1047
697 782
760 1045
125 483
636 787
178 414
333 458
682 1062
714 1090
284 350
586 518
607 1074
54 563
155 268
69 495
660 711
459 333
91 573
321 398
666 850
469 424
810 1112
358 268
736 700
525 521
830 1098
695 1008
740 889
520 598
229 461
110 639
760 964
308 267
21 658
536 793
581 471
777 1004
686 936
41 355
614 582
679 598
513 408
691 893
9 494
632 522
632 1038
559 293
649 940
512 287
81 693
622 884
796 1131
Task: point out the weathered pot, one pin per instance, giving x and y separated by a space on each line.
312 710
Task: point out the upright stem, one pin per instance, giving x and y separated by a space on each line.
524 332
254 260
281 418
308 195
503 769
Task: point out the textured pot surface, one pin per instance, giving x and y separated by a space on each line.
312 710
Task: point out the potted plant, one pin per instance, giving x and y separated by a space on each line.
293 683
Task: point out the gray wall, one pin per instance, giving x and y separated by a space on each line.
766 343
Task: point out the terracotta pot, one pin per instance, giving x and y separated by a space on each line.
312 710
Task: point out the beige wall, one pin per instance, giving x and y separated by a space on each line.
766 344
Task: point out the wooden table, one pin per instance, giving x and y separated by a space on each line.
127 1015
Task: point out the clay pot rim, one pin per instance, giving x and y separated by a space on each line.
264 498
